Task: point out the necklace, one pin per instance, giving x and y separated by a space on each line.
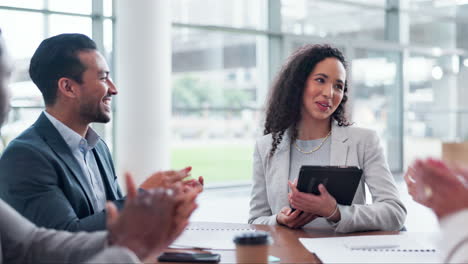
313 150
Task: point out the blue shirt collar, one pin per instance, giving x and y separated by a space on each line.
73 139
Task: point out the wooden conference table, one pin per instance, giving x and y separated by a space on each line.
286 244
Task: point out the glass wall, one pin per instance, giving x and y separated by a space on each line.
407 63
214 97
24 25
408 69
376 98
431 103
333 19
246 14
217 75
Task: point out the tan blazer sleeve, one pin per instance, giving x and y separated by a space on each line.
23 242
260 211
386 212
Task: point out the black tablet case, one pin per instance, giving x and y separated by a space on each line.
340 182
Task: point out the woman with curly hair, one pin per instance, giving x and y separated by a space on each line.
306 125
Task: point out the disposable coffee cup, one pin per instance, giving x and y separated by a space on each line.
252 247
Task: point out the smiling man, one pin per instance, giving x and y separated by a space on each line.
59 172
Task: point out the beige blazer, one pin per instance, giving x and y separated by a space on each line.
23 242
350 146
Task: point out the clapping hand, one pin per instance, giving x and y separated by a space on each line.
434 184
150 221
167 179
194 184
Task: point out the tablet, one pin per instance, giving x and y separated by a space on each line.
341 182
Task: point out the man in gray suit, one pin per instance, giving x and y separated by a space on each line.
73 170
147 224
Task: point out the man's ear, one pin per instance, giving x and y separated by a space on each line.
67 87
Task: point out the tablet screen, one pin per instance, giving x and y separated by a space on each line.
341 182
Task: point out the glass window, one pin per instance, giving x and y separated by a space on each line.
432 31
232 13
33 4
439 23
214 119
108 37
21 47
23 31
22 39
71 6
375 91
108 7
378 3
431 104
331 19
19 119
462 27
439 8
69 24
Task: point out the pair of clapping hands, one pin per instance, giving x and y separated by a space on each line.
151 220
440 186
167 179
307 207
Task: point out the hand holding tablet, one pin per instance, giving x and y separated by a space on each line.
341 182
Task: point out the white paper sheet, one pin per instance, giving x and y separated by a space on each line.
405 248
208 238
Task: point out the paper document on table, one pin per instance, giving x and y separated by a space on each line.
404 248
209 238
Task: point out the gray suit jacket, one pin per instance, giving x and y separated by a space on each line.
22 242
350 146
41 179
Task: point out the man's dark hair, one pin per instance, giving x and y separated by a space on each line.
55 58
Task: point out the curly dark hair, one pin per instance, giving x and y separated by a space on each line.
283 110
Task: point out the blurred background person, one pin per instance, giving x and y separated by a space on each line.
444 189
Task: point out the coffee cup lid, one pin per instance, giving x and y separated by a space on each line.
252 238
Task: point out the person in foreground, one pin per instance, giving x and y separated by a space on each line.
147 224
306 125
59 173
444 189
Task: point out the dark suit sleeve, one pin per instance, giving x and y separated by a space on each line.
31 183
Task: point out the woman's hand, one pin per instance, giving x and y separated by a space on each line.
296 219
323 205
